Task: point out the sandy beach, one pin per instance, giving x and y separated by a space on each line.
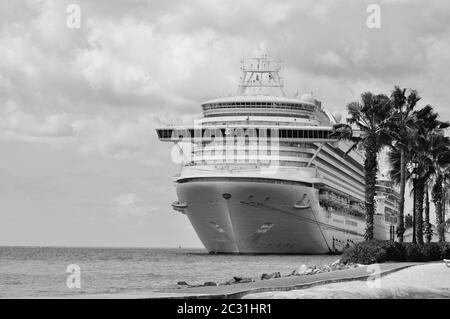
423 281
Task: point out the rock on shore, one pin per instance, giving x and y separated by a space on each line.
303 270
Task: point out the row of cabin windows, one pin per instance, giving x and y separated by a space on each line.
291 106
242 161
256 144
261 123
252 152
283 133
221 114
304 134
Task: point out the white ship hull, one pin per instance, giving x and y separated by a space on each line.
261 218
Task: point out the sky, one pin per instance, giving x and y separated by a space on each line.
80 161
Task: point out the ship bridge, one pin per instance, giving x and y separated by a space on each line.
261 105
261 93
204 134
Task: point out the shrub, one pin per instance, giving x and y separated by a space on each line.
367 252
395 251
445 251
431 251
413 252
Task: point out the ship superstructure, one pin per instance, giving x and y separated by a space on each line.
264 175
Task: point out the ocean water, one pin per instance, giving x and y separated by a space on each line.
41 271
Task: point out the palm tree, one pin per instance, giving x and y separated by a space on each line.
422 156
425 145
430 151
445 226
438 195
402 123
427 224
370 118
398 156
439 199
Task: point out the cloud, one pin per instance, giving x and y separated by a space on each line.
130 204
120 138
98 92
329 60
17 123
131 137
104 86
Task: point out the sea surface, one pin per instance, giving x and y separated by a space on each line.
37 272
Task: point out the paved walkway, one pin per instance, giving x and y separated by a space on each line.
280 284
430 280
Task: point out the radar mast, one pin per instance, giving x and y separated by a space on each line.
262 76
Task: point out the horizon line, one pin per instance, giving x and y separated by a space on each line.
120 247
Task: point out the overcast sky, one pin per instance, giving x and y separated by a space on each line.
80 162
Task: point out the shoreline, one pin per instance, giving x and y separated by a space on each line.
431 280
240 290
395 280
287 283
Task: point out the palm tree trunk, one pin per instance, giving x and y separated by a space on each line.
444 202
371 168
438 204
414 240
428 231
420 185
401 212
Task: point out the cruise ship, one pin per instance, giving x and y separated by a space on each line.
262 174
